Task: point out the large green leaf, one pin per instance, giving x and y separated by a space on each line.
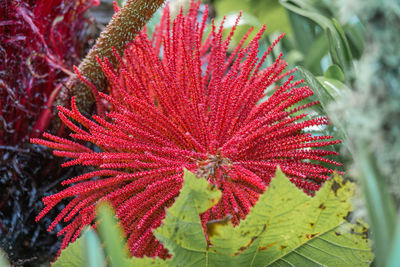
182 232
285 227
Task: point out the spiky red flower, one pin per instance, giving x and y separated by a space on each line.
197 108
40 41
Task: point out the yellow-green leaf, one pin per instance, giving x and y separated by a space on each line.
181 231
288 227
285 228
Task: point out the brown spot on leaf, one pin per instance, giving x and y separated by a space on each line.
283 247
251 241
348 216
267 246
338 234
211 187
310 236
322 206
361 230
246 247
311 225
335 187
212 226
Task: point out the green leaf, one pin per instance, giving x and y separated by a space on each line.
93 252
288 227
338 45
302 31
72 256
85 251
145 262
302 8
268 12
3 259
356 35
317 51
394 256
182 232
348 57
334 72
285 227
326 91
112 235
333 87
379 202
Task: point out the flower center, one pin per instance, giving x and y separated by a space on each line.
209 166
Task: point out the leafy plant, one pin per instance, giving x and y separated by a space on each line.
312 27
172 114
40 41
285 227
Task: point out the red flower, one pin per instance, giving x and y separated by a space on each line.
40 41
196 108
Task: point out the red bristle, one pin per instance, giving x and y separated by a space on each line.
170 113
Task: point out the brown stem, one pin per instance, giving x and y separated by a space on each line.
118 33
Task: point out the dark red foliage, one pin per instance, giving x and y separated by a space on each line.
181 101
40 41
22 186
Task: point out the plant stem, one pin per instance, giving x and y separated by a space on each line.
119 32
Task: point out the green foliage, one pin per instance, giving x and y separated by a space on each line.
94 256
339 47
327 91
295 229
370 115
72 256
112 235
285 227
182 232
3 259
394 256
298 229
334 72
268 12
382 213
